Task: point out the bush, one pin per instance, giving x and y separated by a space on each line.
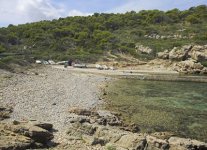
204 63
5 66
2 49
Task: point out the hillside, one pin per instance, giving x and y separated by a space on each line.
92 37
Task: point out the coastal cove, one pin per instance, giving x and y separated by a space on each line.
159 106
154 114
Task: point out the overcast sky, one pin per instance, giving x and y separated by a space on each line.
24 11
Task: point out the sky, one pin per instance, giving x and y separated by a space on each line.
26 11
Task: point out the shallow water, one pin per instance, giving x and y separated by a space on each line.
178 107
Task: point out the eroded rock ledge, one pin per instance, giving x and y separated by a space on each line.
25 135
94 130
105 129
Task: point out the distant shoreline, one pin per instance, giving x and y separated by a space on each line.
141 74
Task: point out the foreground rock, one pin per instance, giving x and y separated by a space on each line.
90 132
24 135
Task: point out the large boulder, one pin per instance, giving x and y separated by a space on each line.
155 143
133 141
13 141
199 53
179 54
189 67
163 55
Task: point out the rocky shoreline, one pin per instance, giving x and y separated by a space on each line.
89 129
55 109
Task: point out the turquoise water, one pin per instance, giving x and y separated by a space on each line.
178 107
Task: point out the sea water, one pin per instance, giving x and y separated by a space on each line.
178 107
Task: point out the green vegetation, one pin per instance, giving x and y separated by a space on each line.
111 147
204 63
156 106
90 38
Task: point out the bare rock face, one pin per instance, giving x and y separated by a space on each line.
92 133
179 54
13 141
177 143
189 66
199 53
155 143
163 55
95 134
187 59
100 117
83 112
143 49
23 135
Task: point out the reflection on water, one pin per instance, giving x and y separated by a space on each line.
179 107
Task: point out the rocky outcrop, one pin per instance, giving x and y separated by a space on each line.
180 54
13 141
24 135
163 55
199 53
187 59
177 143
90 132
100 117
143 49
175 36
189 66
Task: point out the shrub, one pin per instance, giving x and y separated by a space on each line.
204 63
